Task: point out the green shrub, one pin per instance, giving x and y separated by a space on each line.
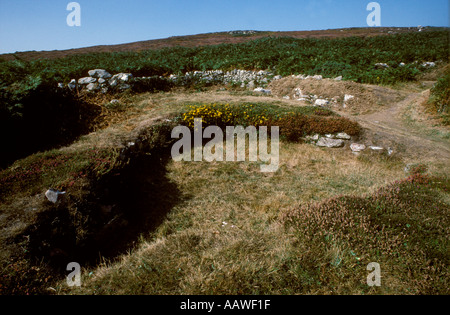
440 93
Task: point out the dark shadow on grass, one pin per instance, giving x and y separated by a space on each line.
122 206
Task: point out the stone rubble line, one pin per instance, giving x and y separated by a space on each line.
101 80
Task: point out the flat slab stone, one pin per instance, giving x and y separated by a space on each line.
330 143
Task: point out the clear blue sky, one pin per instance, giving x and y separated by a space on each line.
41 24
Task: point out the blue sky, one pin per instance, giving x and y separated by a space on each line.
41 24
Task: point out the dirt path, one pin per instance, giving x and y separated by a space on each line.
415 141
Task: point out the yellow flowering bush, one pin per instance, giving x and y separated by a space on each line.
293 123
223 115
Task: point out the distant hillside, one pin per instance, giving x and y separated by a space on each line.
207 39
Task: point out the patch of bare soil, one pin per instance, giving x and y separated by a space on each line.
365 98
414 141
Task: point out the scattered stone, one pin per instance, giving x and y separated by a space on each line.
321 102
72 84
348 97
60 85
313 138
429 64
330 143
262 90
316 77
355 147
343 136
339 78
54 195
381 65
277 77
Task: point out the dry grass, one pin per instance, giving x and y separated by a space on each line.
226 237
228 234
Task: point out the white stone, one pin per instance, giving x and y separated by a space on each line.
355 147
343 136
100 73
381 65
429 64
92 87
313 138
348 97
330 143
261 90
86 80
120 78
54 195
72 84
321 102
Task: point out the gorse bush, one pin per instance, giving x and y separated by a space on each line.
294 123
32 106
